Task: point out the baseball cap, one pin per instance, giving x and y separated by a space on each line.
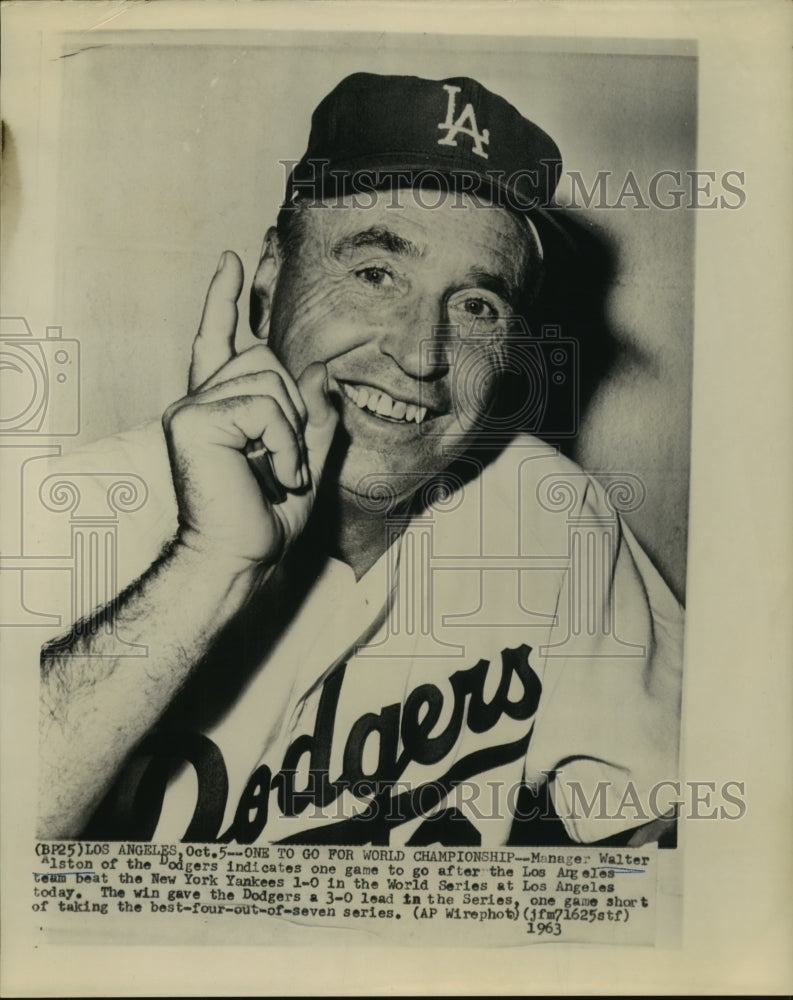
372 130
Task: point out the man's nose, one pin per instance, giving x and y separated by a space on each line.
415 336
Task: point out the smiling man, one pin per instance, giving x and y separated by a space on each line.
367 292
340 649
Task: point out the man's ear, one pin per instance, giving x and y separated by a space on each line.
263 285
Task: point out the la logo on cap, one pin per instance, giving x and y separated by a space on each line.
466 124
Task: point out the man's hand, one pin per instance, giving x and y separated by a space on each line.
235 399
95 706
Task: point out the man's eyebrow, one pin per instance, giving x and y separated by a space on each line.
495 283
378 237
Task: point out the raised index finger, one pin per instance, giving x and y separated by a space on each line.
214 343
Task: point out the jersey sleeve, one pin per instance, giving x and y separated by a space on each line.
607 730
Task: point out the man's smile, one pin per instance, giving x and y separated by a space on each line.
381 404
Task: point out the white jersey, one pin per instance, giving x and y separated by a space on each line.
512 647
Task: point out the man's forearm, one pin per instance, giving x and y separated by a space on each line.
95 705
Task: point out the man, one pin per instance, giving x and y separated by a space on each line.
339 647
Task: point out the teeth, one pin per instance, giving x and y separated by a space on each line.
382 404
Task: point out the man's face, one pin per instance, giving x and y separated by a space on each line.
366 293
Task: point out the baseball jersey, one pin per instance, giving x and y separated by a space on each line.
513 641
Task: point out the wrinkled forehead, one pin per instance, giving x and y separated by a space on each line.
425 222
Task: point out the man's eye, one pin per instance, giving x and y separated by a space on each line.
377 276
480 307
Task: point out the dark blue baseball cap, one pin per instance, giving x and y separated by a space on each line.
373 130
